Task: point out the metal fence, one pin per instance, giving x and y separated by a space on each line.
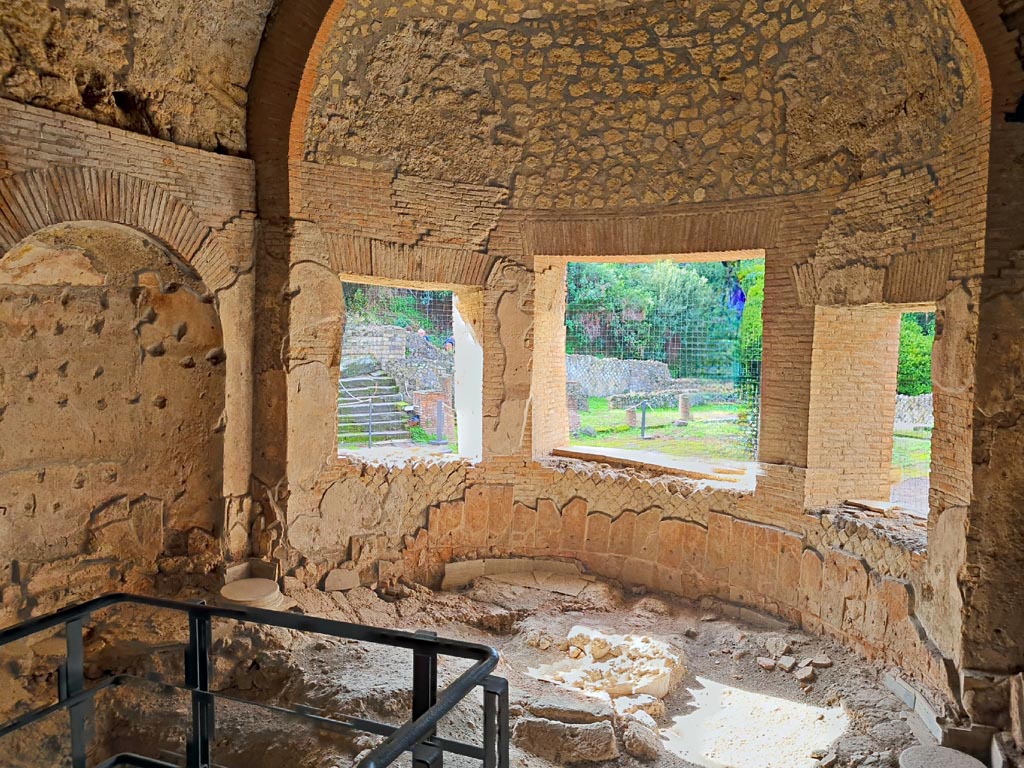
700 354
417 736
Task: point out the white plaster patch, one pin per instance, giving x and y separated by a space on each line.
733 728
33 264
609 666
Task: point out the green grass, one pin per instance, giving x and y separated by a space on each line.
713 431
912 453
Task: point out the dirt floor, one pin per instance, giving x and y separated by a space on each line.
527 624
527 616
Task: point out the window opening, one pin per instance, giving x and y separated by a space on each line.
914 422
396 393
664 358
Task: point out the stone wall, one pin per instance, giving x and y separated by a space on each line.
603 105
915 411
125 304
175 69
383 342
604 376
593 134
113 409
515 138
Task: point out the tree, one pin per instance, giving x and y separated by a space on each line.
917 336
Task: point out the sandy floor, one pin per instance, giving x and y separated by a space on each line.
512 617
525 618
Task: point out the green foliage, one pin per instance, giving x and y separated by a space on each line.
401 307
748 352
679 314
420 435
917 336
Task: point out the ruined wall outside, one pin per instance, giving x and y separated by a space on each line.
176 69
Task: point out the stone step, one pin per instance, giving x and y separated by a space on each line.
354 407
347 391
367 381
356 438
361 428
390 399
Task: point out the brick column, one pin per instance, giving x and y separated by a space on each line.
853 403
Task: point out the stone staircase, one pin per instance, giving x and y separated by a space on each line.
370 397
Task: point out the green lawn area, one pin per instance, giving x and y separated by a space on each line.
713 432
912 453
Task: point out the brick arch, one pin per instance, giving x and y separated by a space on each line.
280 92
37 199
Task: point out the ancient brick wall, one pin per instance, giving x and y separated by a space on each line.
126 397
641 131
521 133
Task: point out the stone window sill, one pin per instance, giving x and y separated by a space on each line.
739 476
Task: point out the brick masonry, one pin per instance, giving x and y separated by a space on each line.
857 202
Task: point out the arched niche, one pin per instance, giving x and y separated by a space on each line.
112 389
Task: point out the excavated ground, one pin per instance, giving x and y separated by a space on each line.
528 623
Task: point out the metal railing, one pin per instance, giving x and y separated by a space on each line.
417 736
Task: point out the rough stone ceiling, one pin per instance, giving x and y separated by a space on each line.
645 102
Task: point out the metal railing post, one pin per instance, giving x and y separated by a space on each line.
369 426
71 681
496 727
424 696
197 677
643 420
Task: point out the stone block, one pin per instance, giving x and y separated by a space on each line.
620 537
640 741
574 526
549 526
566 708
565 743
598 529
341 580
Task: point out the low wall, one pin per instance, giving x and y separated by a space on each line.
712 392
383 342
601 377
914 411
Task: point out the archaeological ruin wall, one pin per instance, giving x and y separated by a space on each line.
125 287
550 115
518 138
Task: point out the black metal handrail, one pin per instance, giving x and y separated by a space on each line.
418 735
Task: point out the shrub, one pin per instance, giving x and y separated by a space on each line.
917 335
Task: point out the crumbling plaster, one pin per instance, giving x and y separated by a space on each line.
887 208
137 417
175 69
857 194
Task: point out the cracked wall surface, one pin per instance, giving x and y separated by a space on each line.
113 407
175 69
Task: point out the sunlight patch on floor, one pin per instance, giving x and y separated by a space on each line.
733 728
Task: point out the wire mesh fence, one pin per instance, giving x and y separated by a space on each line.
666 358
396 393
